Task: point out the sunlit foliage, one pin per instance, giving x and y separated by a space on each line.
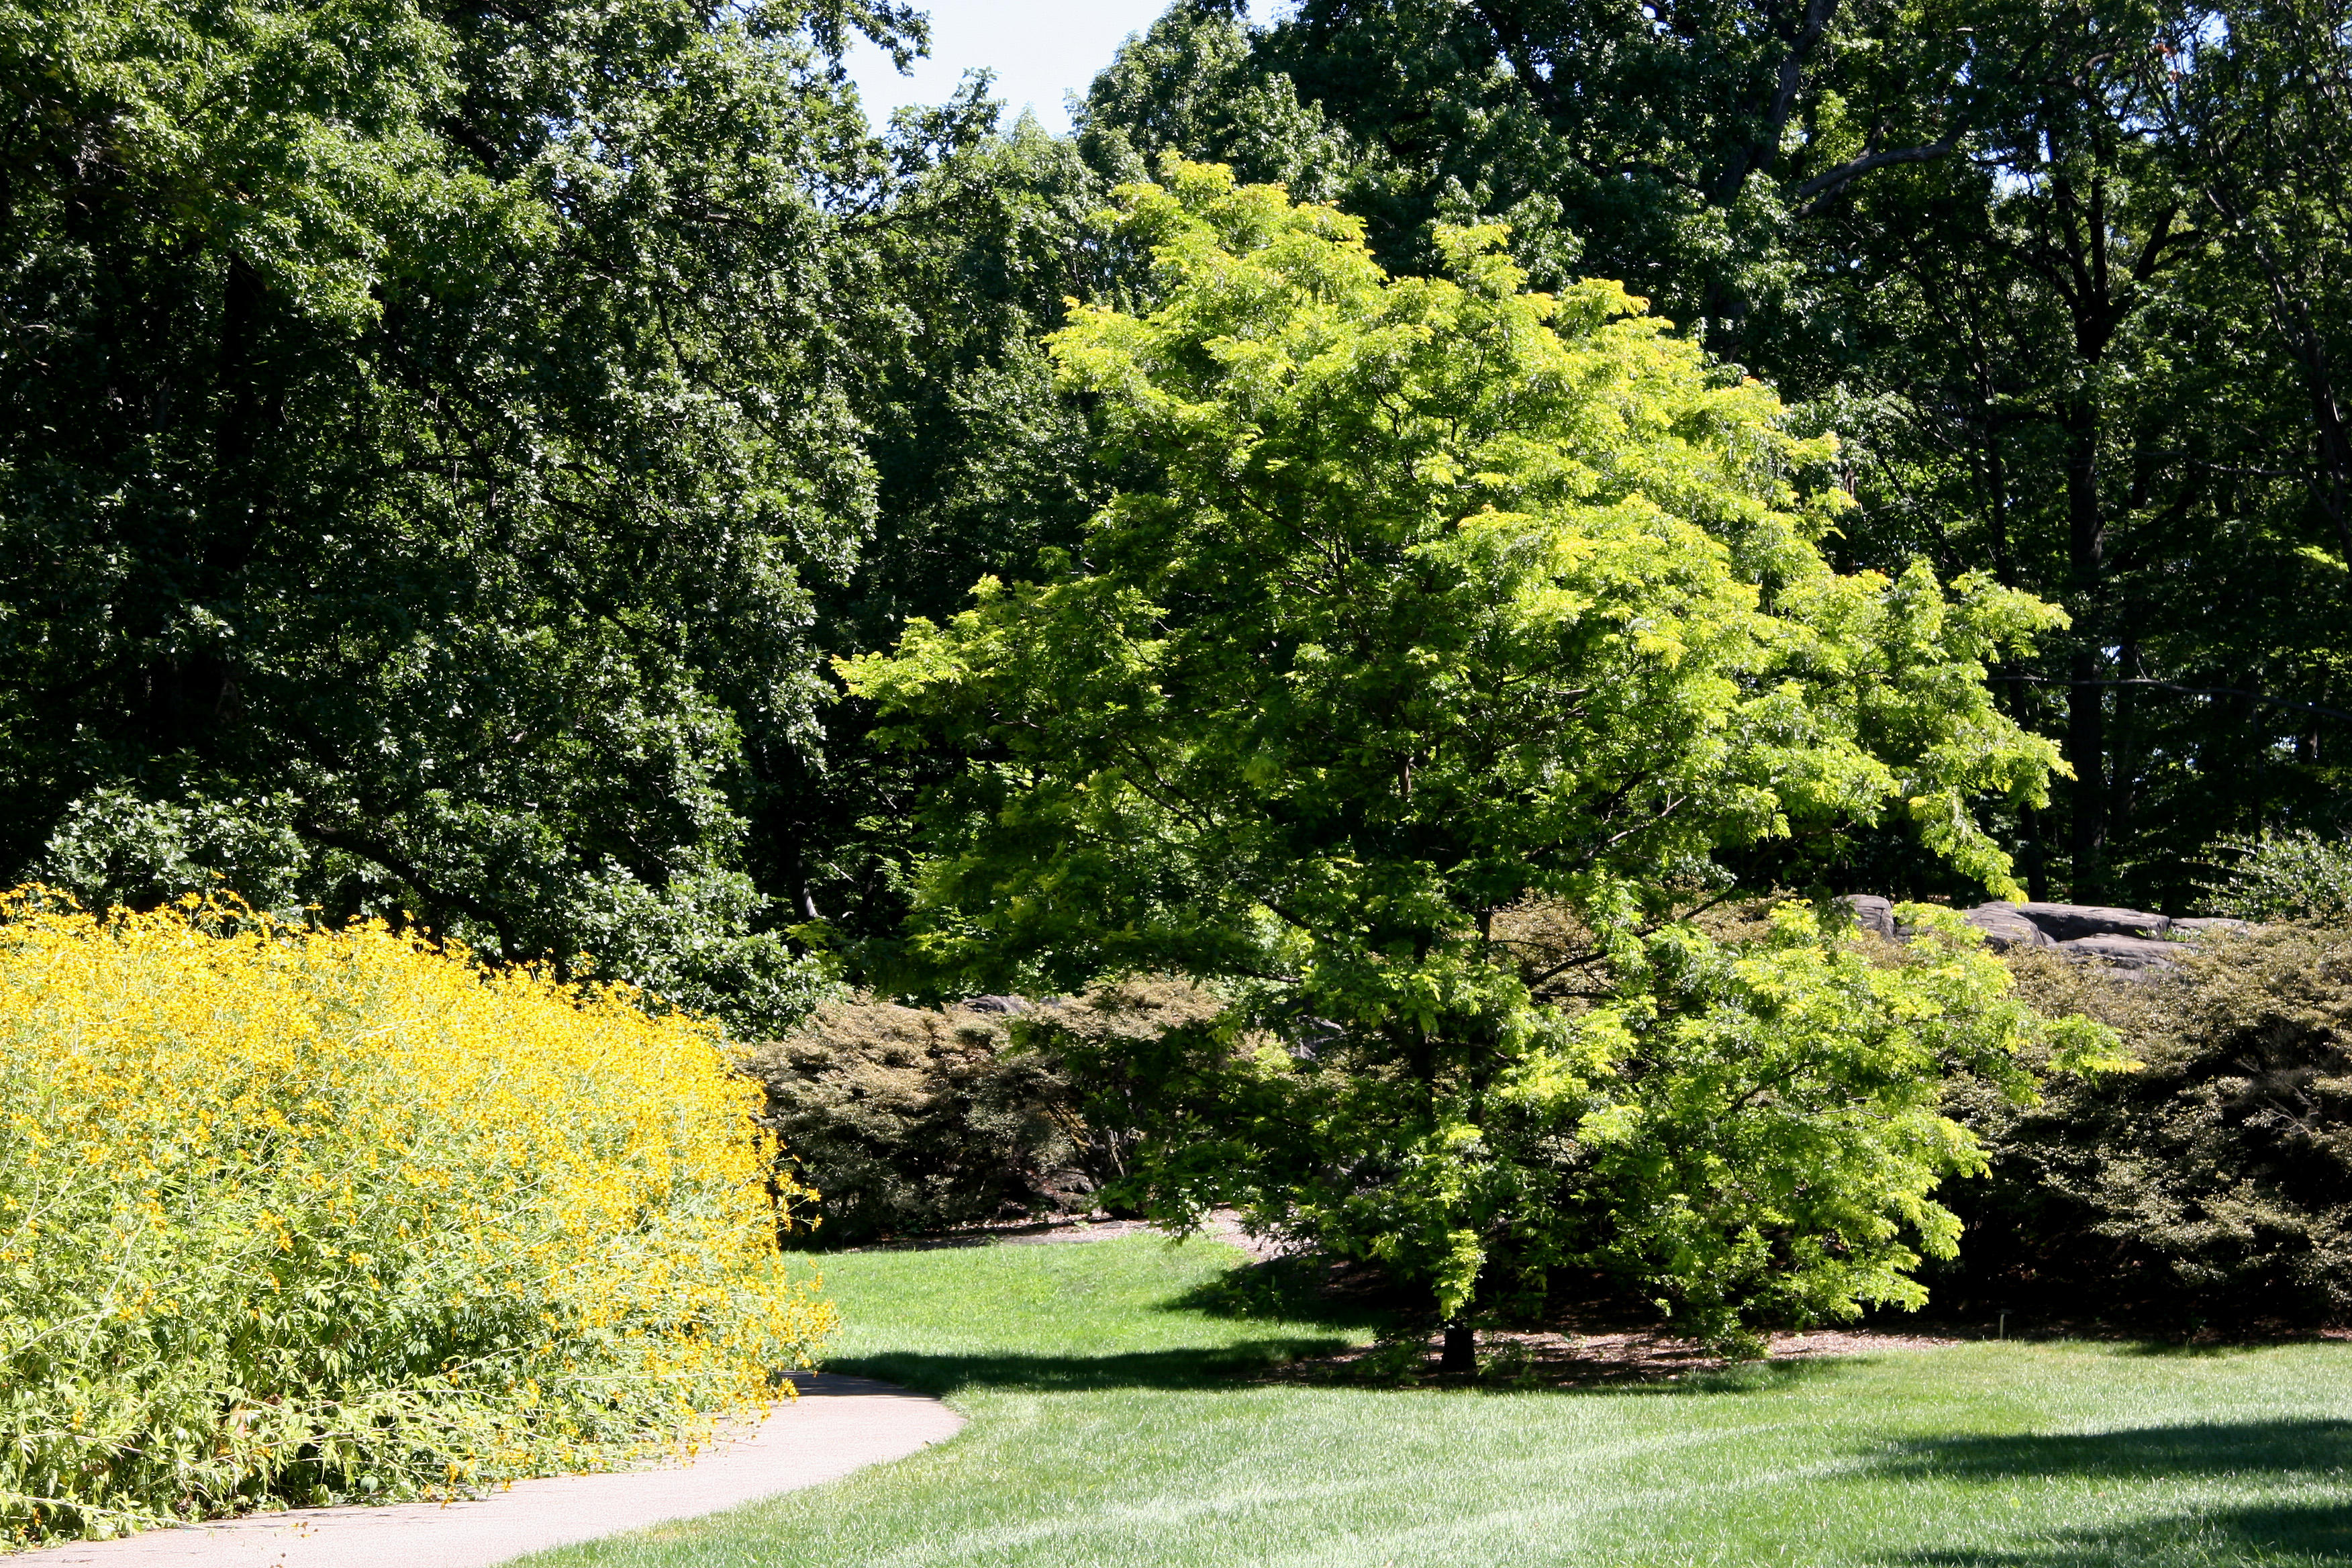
303 1215
1444 597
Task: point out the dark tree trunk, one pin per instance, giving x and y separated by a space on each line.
188 692
2123 746
2036 857
2086 712
1461 1352
2032 849
2086 744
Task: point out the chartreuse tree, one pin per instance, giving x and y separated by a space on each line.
1449 602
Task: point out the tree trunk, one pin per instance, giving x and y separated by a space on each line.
1461 1352
188 691
2123 745
2086 712
2086 743
2036 857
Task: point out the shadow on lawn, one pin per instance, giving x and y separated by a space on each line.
1227 1367
1277 1360
2309 1534
1310 1291
2247 1447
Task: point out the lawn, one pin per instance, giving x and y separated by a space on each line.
1114 1421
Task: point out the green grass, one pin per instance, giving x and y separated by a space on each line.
1109 1426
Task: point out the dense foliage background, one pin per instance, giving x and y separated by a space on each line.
442 446
2062 276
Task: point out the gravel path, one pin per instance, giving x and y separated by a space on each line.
838 1424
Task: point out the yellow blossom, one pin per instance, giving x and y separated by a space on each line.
342 1205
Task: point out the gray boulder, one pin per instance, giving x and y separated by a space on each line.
999 1005
1871 912
2005 928
2129 943
2125 952
2066 922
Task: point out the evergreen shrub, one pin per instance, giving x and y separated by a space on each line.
914 1121
293 1215
2215 1182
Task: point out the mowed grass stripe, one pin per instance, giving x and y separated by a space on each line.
1115 1422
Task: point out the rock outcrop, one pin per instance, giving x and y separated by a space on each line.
2006 926
2069 922
1871 912
2127 940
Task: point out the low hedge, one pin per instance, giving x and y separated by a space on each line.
296 1216
914 1121
2213 1183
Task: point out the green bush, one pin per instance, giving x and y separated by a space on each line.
913 1120
2294 875
2215 1181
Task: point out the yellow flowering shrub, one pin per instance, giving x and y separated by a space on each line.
295 1215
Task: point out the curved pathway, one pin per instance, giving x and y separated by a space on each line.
838 1424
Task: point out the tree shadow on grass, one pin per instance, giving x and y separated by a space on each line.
1295 1361
2309 1533
1744 1377
1308 1291
1312 1291
2201 1448
2249 1343
1224 1367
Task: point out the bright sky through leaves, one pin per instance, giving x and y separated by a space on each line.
1039 50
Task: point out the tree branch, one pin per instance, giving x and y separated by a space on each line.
370 847
1762 152
1815 192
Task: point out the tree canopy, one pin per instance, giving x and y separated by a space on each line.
422 428
1444 602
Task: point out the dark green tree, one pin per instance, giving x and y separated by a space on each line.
421 425
979 463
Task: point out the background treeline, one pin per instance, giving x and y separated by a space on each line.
442 446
